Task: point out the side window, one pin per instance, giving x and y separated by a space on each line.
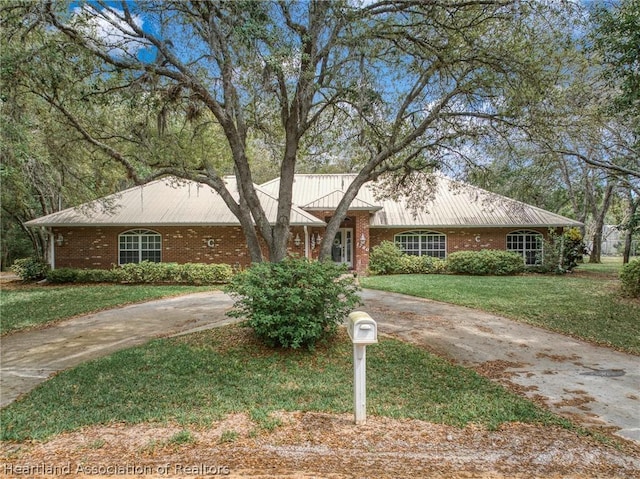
528 244
135 246
422 243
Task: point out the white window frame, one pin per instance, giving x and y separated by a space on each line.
525 239
423 243
138 241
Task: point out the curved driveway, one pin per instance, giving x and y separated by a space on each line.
592 385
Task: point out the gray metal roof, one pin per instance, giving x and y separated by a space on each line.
179 202
168 201
455 204
332 200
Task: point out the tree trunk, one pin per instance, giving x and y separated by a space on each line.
628 237
596 250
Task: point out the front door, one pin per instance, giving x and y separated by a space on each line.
342 248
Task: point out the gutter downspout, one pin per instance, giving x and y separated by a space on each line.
52 249
306 242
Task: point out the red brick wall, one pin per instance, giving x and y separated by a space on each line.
359 222
460 239
97 247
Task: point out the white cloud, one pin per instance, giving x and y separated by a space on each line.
108 30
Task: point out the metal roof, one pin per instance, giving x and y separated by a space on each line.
168 201
454 204
332 200
308 189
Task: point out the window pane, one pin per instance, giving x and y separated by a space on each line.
528 244
140 245
421 243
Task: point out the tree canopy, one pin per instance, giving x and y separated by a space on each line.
394 85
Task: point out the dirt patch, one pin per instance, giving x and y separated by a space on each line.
558 357
324 445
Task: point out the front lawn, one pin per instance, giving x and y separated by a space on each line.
29 306
199 378
585 305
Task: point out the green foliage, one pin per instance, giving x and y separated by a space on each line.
96 276
198 273
63 275
293 303
616 36
388 258
143 272
30 269
630 277
385 258
71 275
147 272
485 262
561 253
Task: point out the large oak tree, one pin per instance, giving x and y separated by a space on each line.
398 85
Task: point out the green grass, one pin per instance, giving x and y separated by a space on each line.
28 307
199 378
610 266
584 305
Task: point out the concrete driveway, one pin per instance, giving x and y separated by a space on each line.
591 385
30 357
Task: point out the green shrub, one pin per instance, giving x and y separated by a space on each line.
385 258
96 276
630 277
421 265
388 258
30 269
197 273
147 272
143 272
485 262
190 273
561 253
63 275
294 303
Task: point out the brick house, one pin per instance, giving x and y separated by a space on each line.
180 221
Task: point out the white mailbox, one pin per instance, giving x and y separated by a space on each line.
362 329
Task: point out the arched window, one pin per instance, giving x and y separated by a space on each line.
422 243
135 246
528 244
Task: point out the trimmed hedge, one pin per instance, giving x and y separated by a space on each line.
630 278
147 272
485 262
388 258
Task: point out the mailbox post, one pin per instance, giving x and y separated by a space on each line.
362 330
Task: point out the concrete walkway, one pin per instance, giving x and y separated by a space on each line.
592 385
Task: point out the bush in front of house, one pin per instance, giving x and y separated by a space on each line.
388 258
30 269
148 273
71 275
485 262
630 278
561 253
294 303
63 275
385 258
